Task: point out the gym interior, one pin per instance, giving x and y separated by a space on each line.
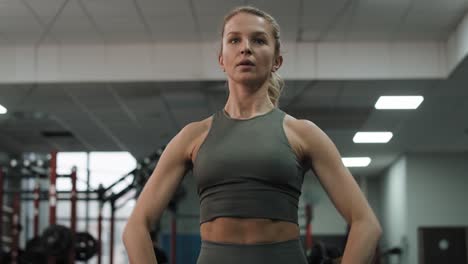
91 92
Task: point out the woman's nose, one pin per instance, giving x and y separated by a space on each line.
245 49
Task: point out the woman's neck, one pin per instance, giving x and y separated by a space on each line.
246 102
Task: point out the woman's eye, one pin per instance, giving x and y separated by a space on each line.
234 40
260 41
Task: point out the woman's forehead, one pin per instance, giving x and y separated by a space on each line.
247 23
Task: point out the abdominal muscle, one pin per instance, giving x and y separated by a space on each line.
248 230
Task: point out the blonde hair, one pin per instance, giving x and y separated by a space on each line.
275 82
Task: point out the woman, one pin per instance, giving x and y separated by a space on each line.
249 160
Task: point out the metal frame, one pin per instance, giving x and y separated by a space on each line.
53 196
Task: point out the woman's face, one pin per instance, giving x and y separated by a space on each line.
248 49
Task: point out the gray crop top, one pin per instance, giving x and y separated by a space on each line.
247 168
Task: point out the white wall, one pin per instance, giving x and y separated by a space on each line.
394 205
422 190
181 61
374 195
437 193
457 44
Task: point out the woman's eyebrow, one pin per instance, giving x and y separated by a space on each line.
255 33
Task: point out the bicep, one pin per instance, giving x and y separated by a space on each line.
335 178
166 177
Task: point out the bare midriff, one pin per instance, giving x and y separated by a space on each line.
248 230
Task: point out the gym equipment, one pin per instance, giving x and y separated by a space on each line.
323 254
34 253
65 251
56 240
85 246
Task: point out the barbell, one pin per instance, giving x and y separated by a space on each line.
57 241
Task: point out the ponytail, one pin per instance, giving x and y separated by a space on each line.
275 87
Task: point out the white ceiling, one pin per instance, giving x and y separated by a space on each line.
109 21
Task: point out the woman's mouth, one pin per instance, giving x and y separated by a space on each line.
246 63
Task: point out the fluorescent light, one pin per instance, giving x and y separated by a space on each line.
399 102
356 162
3 110
372 137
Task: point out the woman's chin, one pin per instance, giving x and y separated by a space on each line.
249 80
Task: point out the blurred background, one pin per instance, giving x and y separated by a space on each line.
102 86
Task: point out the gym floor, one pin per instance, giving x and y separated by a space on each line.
91 91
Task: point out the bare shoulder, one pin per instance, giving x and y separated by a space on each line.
197 132
301 125
197 128
304 134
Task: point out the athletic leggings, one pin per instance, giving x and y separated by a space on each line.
284 252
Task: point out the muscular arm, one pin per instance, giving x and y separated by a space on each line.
343 191
169 171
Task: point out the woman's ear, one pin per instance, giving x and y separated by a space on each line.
221 62
277 63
